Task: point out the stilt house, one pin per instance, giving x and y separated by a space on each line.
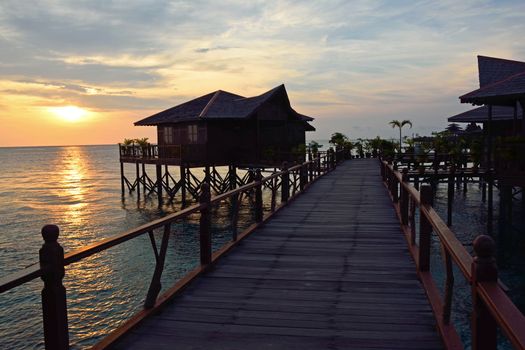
502 92
222 128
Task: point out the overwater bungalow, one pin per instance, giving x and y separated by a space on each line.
502 95
223 128
218 129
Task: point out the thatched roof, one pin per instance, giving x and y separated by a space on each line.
480 115
220 105
501 82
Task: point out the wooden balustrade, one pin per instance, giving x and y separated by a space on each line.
53 260
492 308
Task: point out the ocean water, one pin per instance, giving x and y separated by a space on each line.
78 188
469 219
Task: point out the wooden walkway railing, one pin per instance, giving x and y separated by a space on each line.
292 181
492 308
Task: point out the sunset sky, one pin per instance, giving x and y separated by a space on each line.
81 72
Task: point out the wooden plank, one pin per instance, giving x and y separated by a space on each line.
330 270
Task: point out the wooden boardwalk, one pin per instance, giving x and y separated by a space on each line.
330 271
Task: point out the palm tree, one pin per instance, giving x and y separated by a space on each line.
398 124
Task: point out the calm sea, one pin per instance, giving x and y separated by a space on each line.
78 188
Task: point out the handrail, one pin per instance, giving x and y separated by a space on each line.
458 252
19 277
53 260
96 247
504 311
479 271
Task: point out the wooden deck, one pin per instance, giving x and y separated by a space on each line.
330 271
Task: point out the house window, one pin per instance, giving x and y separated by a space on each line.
168 135
192 133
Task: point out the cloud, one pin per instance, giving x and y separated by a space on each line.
359 61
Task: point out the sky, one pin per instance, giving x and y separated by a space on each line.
81 72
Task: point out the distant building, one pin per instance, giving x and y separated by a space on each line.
502 92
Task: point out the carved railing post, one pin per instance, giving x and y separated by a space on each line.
204 225
425 230
285 183
54 306
258 197
404 198
484 269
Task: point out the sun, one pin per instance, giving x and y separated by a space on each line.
69 113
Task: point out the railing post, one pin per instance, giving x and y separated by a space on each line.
285 183
204 225
54 306
450 194
425 229
258 197
387 176
394 187
303 178
383 173
332 159
484 269
404 198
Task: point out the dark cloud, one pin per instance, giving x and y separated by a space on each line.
215 48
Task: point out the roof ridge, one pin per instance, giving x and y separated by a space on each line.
208 105
501 59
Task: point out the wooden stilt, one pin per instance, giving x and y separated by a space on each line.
507 207
122 178
159 183
166 172
232 173
207 174
183 185
137 168
450 196
143 179
490 203
483 189
523 197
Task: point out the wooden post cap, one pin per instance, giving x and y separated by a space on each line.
285 165
50 233
484 246
484 267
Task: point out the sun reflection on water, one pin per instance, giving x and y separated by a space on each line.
71 174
